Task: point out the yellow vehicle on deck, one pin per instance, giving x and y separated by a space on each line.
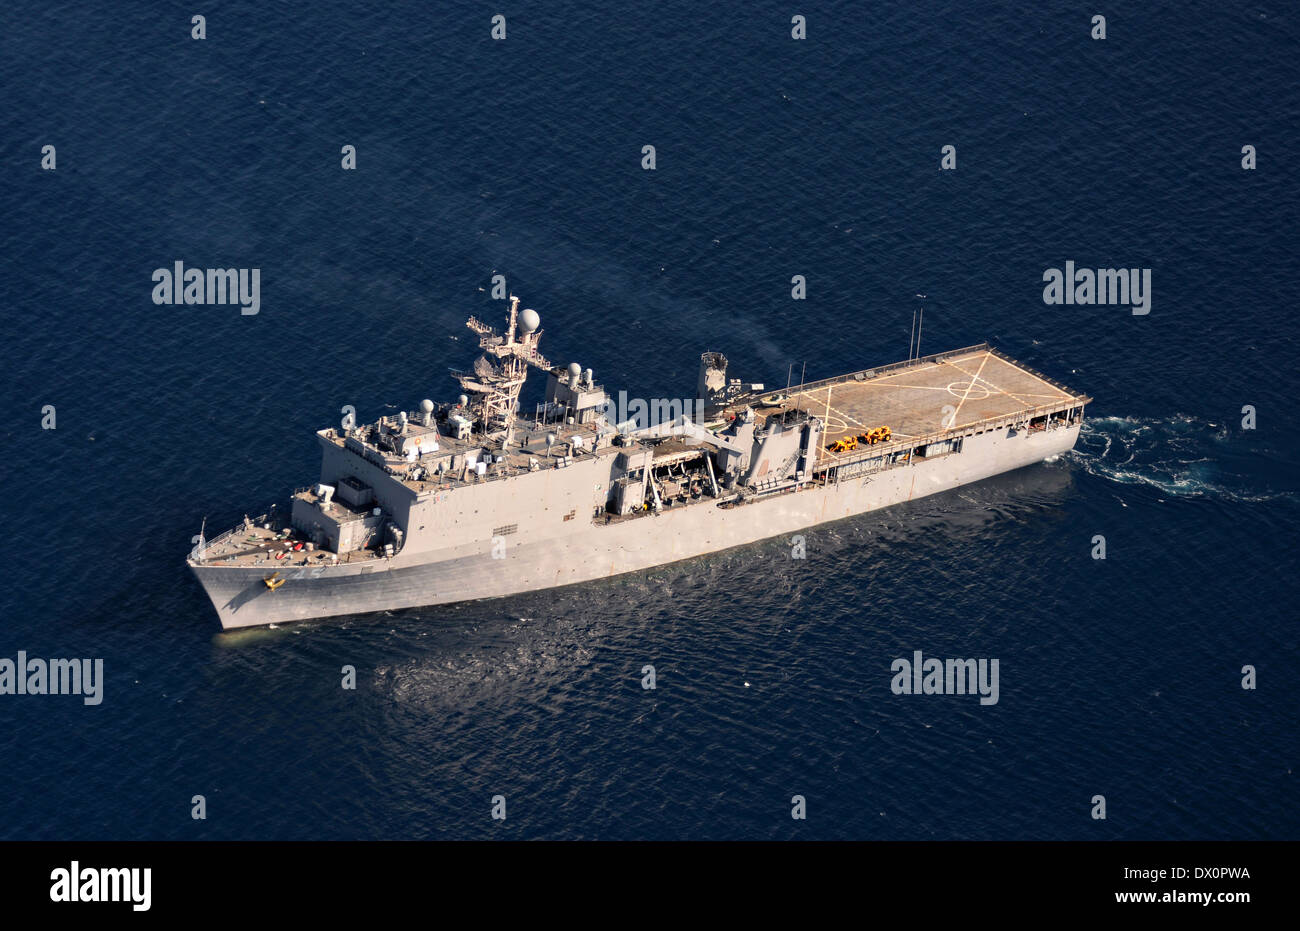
880 434
871 437
845 445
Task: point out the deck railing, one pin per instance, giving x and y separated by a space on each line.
203 546
892 367
862 453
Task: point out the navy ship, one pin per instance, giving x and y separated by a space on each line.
474 498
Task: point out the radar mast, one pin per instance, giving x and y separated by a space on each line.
498 385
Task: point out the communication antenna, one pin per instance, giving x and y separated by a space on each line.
918 317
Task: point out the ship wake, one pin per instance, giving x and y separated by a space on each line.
1182 456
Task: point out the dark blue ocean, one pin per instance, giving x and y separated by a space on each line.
775 158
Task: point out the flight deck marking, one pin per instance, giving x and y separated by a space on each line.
968 387
978 383
1022 395
838 424
974 378
835 425
979 377
912 387
1062 396
831 410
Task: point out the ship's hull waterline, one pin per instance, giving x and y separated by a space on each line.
594 550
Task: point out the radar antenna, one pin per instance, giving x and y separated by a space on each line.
498 387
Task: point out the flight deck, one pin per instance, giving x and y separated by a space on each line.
947 393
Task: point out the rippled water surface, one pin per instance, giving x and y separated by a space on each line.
1118 677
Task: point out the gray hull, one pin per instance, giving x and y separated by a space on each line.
598 550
